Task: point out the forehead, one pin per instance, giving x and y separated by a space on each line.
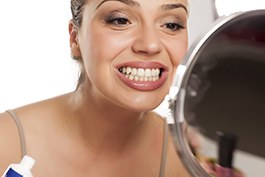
142 2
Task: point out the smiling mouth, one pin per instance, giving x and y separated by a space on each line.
141 74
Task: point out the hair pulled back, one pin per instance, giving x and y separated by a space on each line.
76 10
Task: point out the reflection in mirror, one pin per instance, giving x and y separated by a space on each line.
222 99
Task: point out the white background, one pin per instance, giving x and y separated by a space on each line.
35 61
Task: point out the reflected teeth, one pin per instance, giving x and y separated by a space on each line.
140 74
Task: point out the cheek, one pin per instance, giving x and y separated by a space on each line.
108 45
100 51
177 49
101 48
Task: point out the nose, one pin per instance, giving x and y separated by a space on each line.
147 41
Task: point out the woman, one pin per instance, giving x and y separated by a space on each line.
128 51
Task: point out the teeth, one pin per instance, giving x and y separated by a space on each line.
141 74
134 72
148 73
128 70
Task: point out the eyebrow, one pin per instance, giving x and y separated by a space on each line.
167 7
134 3
128 2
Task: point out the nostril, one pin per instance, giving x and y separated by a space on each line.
147 50
147 44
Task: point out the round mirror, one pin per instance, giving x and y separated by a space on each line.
219 95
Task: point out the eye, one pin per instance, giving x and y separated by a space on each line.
119 21
173 26
172 23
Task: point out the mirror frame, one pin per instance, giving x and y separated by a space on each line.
176 97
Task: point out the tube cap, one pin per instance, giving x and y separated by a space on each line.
27 162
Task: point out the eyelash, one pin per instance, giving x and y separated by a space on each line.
117 21
173 26
120 22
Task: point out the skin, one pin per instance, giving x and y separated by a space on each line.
105 127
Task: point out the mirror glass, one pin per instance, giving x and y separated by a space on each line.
221 97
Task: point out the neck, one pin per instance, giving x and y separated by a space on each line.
103 125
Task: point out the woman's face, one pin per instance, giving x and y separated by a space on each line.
131 49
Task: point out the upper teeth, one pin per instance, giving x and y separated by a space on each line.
141 73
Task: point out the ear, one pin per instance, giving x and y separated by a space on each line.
74 44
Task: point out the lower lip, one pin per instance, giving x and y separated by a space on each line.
143 85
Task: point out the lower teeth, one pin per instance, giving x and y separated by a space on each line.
137 78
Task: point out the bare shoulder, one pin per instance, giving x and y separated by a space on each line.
174 166
34 119
9 142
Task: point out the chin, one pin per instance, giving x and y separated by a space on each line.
143 106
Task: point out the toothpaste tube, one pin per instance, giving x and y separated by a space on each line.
23 169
